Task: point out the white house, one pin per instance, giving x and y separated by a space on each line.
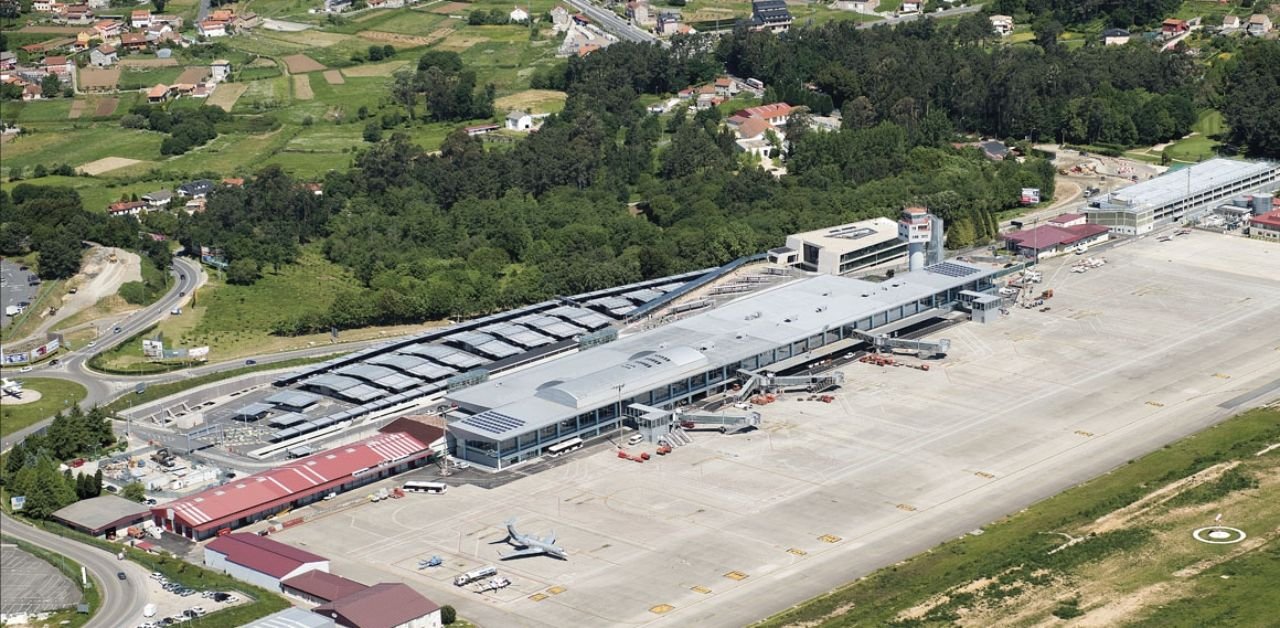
212 28
140 19
219 70
911 6
1259 25
519 121
867 7
519 15
560 20
1231 22
1002 24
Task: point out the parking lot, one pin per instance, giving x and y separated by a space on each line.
172 603
1166 339
14 289
31 585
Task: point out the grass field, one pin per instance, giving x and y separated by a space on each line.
1203 144
56 396
1132 560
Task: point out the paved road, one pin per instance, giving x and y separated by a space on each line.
609 21
122 600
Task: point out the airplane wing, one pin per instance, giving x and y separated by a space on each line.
550 539
529 551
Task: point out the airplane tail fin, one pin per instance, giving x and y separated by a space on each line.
511 529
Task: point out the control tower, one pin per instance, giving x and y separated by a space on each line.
915 228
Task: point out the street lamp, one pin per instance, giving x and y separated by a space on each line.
618 418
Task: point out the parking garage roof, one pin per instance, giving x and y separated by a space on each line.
448 356
292 399
1189 181
551 326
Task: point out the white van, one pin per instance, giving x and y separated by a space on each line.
635 439
149 610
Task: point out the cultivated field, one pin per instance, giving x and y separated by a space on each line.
334 77
451 8
77 108
535 100
107 164
106 107
301 64
226 95
302 87
1164 341
99 78
148 63
405 41
193 75
378 69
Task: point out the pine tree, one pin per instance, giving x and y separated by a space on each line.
97 483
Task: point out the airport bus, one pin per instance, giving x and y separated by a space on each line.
572 444
425 487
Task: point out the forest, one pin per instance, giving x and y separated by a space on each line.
31 467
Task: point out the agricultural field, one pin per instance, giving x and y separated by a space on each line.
1186 536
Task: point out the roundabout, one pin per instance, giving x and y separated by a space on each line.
1219 535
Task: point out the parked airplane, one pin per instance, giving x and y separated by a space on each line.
529 545
11 387
434 561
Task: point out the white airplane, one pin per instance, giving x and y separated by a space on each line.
529 545
11 387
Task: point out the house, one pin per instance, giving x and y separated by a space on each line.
158 94
776 113
910 6
1046 241
233 182
108 29
383 605
59 65
866 7
32 91
560 20
518 15
994 150
76 14
126 208
519 121
1002 24
726 86
1265 226
1259 25
1173 27
219 70
638 12
1115 37
42 6
259 560
336 6
134 41
482 129
770 15
103 56
140 18
1231 22
8 60
193 206
222 15
172 21
320 587
212 28
196 189
668 23
317 189
158 199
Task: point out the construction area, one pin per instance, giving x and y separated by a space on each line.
865 459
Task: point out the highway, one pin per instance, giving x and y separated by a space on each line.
122 600
609 21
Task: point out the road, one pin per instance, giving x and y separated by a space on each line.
911 17
609 21
122 600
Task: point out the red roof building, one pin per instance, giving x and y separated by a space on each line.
383 605
1047 239
1266 226
295 483
260 560
319 587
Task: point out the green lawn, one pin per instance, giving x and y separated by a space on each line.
78 146
1202 145
56 396
54 110
1154 545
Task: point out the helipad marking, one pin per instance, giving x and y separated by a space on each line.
538 597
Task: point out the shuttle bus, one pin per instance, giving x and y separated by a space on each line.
425 487
565 447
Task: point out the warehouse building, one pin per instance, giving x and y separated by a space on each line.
1186 194
320 587
296 483
259 560
292 618
102 516
508 420
383 605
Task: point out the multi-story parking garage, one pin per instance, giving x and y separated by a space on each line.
517 417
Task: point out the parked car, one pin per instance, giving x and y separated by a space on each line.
121 575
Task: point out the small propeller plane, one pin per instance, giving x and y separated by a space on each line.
529 545
434 561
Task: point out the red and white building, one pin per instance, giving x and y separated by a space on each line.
1048 240
140 19
259 560
296 483
1265 226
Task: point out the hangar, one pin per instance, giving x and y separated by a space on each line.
101 516
515 418
259 560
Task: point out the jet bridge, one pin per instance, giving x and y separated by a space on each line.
922 348
726 422
813 382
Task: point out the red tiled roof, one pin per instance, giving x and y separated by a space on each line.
262 554
766 111
323 585
1066 217
223 504
159 91
55 61
1270 219
1046 237
380 606
753 127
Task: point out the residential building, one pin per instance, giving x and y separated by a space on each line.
108 29
1173 27
1265 226
910 6
158 199
1230 22
126 208
867 7
1116 37
518 15
212 28
222 15
134 41
8 60
482 129
519 121
159 94
1185 194
776 114
172 21
140 18
196 189
42 6
1259 25
103 56
639 13
60 65
383 605
1002 25
219 70
668 24
726 86
770 15
259 560
560 20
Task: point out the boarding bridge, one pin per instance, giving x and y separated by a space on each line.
814 382
922 348
727 423
658 425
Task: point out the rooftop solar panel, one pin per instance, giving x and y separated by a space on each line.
287 420
950 269
494 422
363 393
643 295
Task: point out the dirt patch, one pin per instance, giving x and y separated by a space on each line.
107 164
301 64
148 63
77 108
406 41
98 279
334 77
381 69
1124 517
99 78
226 95
302 87
450 8
312 39
460 43
193 75
536 100
106 107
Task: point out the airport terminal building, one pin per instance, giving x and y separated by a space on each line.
514 418
1185 194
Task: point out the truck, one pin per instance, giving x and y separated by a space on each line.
464 579
12 310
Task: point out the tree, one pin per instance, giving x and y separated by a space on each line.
134 491
448 614
97 482
1251 94
59 255
50 86
159 5
243 272
372 133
